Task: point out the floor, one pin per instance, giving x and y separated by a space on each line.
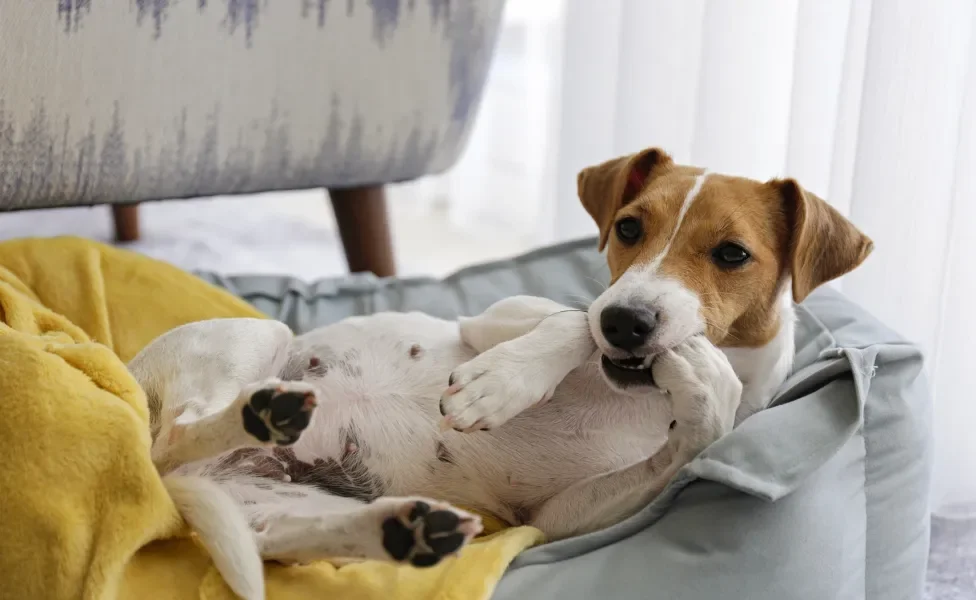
952 561
289 233
294 234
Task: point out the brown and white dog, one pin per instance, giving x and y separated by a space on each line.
331 443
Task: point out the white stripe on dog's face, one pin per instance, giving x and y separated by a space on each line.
685 205
643 287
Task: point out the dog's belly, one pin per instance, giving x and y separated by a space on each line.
585 430
376 431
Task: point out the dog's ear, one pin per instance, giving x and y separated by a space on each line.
606 188
823 244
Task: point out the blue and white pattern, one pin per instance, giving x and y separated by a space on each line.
109 101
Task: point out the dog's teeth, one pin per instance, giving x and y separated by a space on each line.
629 367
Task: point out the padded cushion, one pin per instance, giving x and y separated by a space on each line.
823 495
195 98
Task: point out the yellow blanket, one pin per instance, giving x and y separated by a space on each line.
82 511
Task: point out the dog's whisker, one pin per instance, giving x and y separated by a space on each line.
582 300
602 283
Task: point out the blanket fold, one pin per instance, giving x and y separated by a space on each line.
83 513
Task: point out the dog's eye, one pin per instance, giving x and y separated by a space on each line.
629 230
730 255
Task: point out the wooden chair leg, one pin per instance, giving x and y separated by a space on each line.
364 228
126 217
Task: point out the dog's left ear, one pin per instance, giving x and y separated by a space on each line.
606 188
823 244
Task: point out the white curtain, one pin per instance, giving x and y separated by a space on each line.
496 187
871 104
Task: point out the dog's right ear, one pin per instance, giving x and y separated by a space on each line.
606 188
824 245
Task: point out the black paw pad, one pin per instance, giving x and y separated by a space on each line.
271 414
429 537
254 425
261 399
289 415
425 560
420 510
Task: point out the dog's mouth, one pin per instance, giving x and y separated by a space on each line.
634 371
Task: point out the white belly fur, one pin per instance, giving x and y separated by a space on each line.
380 379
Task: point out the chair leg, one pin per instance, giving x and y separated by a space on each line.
364 229
126 217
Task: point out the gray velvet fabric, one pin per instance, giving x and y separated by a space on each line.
105 101
822 496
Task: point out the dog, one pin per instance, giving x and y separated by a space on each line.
364 438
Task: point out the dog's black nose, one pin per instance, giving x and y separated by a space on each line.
625 327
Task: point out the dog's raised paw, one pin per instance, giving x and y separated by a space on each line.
279 413
422 533
487 391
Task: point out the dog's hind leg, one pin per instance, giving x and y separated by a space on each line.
270 412
298 523
201 380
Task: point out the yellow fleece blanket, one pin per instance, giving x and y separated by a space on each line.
83 513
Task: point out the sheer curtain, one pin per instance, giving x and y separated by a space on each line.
871 104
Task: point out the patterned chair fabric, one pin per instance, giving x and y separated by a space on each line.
113 101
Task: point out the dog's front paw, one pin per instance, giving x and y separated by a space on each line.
278 411
705 392
423 532
490 389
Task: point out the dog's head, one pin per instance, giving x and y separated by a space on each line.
697 253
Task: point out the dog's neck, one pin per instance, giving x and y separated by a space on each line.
762 369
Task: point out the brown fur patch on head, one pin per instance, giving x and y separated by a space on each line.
606 188
788 232
737 305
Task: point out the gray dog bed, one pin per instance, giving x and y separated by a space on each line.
824 496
